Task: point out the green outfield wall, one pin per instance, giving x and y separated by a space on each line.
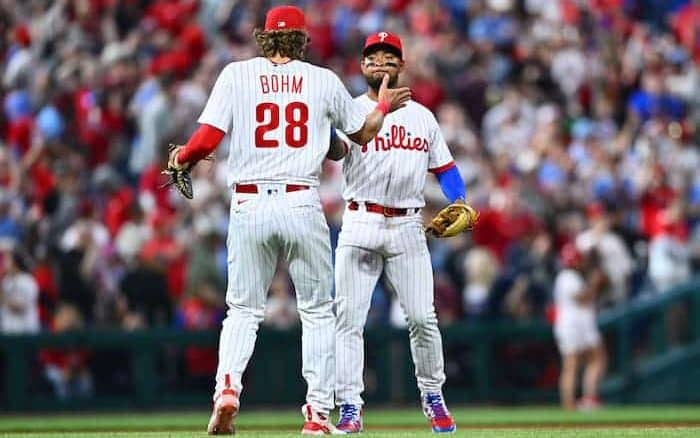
654 347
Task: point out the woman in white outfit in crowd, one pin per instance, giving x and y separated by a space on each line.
575 291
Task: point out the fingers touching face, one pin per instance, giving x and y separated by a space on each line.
380 62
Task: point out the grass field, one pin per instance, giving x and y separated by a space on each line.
647 421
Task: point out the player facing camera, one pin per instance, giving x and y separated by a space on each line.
384 190
383 55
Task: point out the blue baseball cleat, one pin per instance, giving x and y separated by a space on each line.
440 419
350 418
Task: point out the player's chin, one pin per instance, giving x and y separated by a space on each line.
373 82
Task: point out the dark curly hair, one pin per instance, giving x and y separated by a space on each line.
288 43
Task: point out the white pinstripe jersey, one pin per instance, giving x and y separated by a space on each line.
280 117
391 169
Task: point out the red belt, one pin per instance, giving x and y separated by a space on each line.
253 188
380 209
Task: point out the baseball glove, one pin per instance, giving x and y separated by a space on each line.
179 174
452 220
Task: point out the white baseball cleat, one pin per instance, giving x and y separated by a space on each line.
225 410
316 423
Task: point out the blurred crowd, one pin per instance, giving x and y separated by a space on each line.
570 120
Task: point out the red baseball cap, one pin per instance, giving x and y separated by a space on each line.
22 35
385 39
285 18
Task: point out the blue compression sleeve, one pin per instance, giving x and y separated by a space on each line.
452 184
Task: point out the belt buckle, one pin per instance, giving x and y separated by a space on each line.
387 211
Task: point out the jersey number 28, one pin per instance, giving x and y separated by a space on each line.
296 133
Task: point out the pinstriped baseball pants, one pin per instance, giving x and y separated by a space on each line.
368 244
263 227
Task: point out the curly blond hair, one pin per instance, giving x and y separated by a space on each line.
288 43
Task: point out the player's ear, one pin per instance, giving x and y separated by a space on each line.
402 65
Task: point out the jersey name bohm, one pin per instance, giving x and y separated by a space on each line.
281 84
396 137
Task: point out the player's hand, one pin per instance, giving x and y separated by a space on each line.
178 174
172 158
396 97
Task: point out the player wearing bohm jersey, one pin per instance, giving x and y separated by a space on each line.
278 111
382 232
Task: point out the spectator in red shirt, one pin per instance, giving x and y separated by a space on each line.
67 370
167 250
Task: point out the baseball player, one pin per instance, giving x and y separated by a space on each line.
382 232
278 111
575 290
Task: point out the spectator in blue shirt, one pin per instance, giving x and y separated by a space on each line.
653 101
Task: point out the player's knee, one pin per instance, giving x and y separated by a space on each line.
315 305
237 311
421 320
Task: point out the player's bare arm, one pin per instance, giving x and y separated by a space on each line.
389 99
338 148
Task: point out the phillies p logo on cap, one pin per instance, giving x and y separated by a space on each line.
383 38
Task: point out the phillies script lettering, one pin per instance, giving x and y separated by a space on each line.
280 84
398 138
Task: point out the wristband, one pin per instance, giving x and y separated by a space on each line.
383 107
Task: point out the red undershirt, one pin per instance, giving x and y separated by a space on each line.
203 142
